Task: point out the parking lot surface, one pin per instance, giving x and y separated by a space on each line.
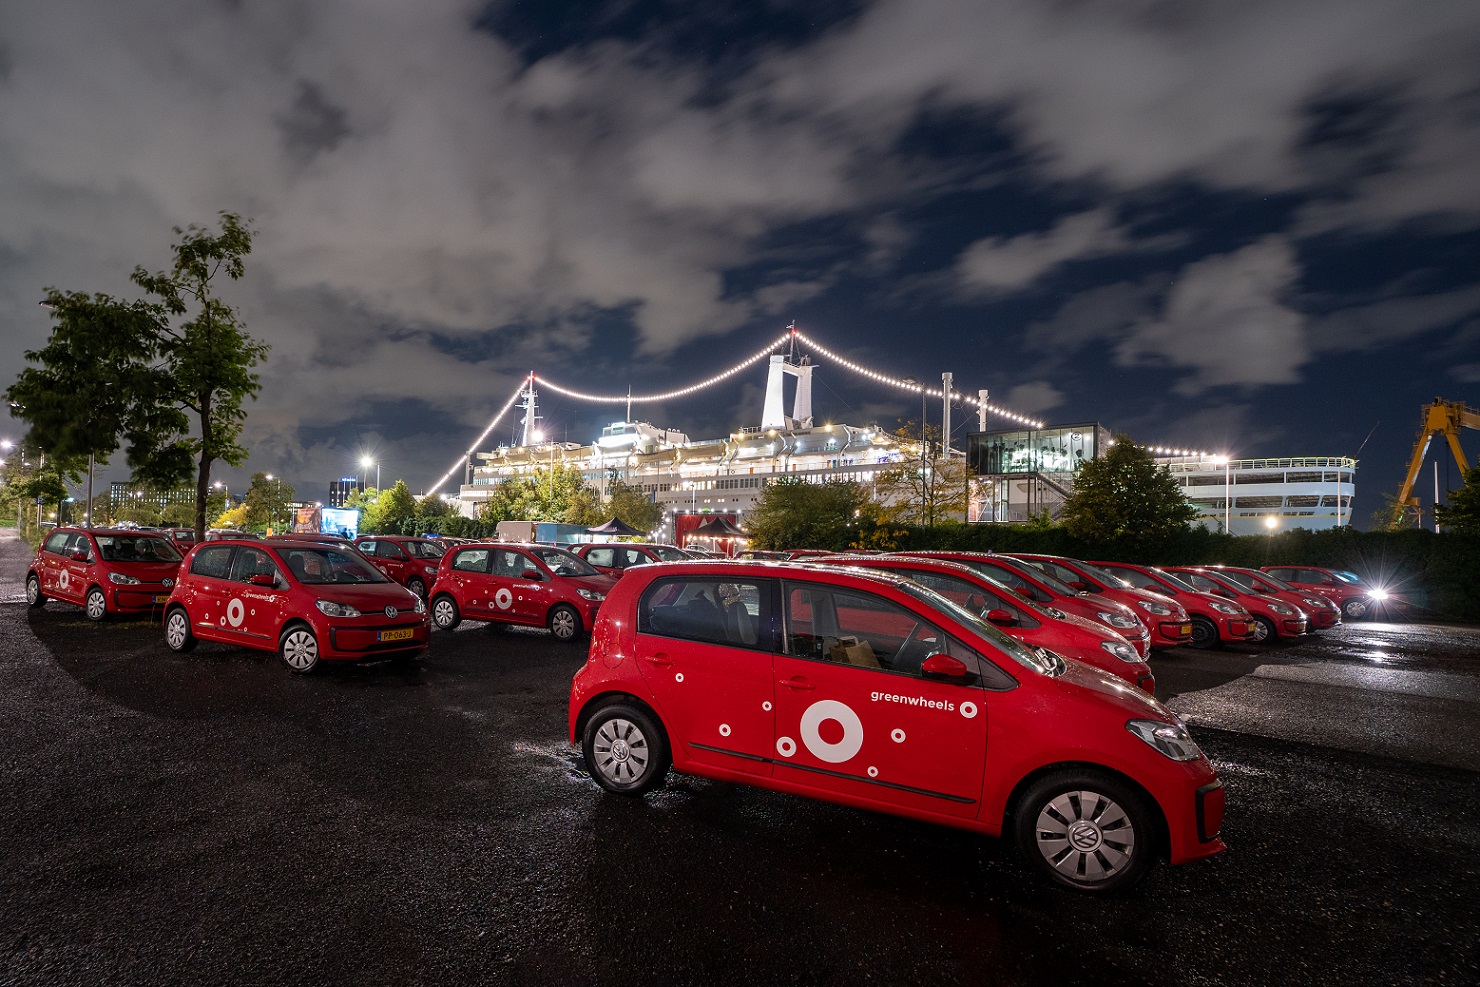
209 818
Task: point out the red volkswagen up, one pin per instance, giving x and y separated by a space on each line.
866 689
412 562
1273 618
308 601
104 570
534 585
1215 621
1163 616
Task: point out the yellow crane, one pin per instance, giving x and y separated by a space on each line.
1440 417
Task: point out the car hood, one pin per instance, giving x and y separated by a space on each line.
1079 678
366 597
1090 627
146 572
1132 593
600 582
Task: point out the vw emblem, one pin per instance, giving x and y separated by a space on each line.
390 611
168 582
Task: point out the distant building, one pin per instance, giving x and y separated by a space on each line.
341 489
124 494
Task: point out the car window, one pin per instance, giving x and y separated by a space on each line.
511 564
327 564
1347 577
1014 581
825 623
563 563
251 562
136 548
601 556
213 562
667 554
1199 581
56 542
1287 574
423 549
471 560
708 609
367 548
1243 579
971 597
633 557
1060 572
388 550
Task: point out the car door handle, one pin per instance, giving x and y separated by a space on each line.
798 682
660 659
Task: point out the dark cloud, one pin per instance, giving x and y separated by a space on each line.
313 126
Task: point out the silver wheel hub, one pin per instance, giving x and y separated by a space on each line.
177 630
96 605
621 751
300 650
1085 836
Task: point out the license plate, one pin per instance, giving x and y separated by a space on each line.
404 634
161 599
1186 628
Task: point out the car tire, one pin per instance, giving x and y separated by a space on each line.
419 588
1205 634
564 622
445 616
1264 631
96 605
625 749
34 596
1088 831
1355 608
177 633
299 649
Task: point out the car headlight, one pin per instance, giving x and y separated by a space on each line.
430 570
330 609
1228 608
595 596
1379 595
1121 650
1318 604
1169 739
1156 608
122 580
421 607
1118 621
1281 609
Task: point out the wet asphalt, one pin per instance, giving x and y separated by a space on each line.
212 819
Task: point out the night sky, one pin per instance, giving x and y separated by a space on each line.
1248 227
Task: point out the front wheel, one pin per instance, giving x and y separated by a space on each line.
625 750
177 633
1204 634
299 650
565 623
34 596
1264 630
444 613
1087 831
1355 608
97 604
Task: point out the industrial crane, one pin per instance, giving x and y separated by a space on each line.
1440 417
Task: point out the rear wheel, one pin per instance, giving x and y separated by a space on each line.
564 622
1204 634
96 605
1087 831
1354 608
34 596
299 649
444 613
1264 630
177 633
418 587
625 750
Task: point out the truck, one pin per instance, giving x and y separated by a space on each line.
545 532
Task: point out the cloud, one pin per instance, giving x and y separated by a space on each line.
999 265
1033 397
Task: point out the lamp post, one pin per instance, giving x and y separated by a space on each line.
367 462
1227 491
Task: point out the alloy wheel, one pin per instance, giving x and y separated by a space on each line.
621 751
97 605
300 650
1085 836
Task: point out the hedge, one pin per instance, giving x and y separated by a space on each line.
1438 574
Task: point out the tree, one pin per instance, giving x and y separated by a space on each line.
1125 494
395 509
266 502
232 519
1462 513
629 504
792 513
909 493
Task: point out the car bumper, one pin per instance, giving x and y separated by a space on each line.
1170 633
1292 628
1237 629
137 599
360 642
1194 814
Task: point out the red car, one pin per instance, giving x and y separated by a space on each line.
1215 621
1322 612
615 558
104 570
412 562
308 601
1164 617
866 689
1273 619
1062 633
1034 584
534 585
1349 591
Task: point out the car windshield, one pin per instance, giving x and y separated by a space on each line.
1014 649
1177 582
136 548
424 549
325 564
1220 579
1347 577
563 563
1263 577
1094 571
666 553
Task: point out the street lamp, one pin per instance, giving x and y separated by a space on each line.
367 462
1227 490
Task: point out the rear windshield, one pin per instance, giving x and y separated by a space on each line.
136 548
563 563
667 553
326 564
424 549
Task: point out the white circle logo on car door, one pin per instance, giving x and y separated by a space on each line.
503 599
819 713
236 612
63 578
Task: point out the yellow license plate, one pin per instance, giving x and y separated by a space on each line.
1186 628
161 599
404 634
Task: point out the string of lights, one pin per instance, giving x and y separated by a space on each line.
667 395
479 441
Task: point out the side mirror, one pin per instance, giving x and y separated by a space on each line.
1002 618
944 666
262 579
1024 592
79 556
533 574
1224 592
1080 585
